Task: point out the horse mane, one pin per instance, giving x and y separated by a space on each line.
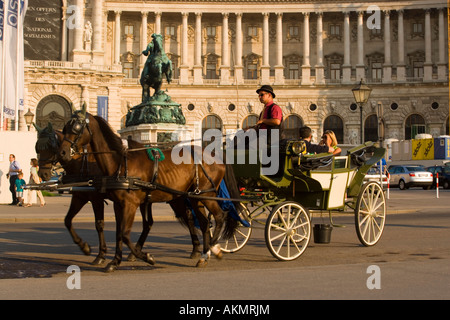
113 140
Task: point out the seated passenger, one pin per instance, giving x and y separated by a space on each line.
305 133
329 139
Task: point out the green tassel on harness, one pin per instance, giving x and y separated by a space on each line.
152 157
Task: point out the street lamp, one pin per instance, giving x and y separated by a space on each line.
361 94
29 118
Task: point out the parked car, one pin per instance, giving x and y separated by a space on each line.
406 176
444 175
374 175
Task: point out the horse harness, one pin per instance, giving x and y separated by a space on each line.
106 183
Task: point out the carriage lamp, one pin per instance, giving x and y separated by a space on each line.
361 94
29 118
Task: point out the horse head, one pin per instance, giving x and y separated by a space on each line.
74 134
47 146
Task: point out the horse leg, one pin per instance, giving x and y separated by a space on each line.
184 214
98 205
114 264
204 227
75 206
219 217
147 223
127 224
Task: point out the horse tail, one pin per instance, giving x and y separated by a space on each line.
231 223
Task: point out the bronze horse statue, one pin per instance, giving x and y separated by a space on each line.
157 65
174 182
47 146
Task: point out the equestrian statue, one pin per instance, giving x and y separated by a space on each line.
157 65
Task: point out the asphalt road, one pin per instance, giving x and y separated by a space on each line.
411 261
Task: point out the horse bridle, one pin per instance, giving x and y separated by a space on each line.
76 127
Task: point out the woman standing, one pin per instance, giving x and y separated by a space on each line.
34 179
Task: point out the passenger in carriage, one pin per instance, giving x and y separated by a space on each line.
305 133
329 139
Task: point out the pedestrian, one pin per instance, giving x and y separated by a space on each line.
34 179
14 169
19 188
305 133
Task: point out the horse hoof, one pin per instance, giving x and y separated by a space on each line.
98 261
131 258
195 255
111 267
202 263
85 248
217 251
150 259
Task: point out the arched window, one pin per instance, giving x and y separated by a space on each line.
371 128
54 109
335 124
414 125
249 121
210 122
290 126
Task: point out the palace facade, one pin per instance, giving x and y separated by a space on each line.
313 53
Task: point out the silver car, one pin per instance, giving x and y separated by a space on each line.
406 176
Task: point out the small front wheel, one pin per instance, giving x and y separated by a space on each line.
288 230
370 213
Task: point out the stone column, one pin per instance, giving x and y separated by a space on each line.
387 66
279 68
225 66
78 32
360 66
117 37
198 71
306 67
265 68
64 33
441 63
97 17
401 68
144 38
428 64
320 78
346 67
238 68
158 22
184 68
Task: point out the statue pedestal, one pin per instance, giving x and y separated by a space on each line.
157 120
156 133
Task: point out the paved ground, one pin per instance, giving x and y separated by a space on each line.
57 206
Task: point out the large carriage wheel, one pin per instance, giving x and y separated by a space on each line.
288 230
240 237
370 213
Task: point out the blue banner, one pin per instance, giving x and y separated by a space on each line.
102 107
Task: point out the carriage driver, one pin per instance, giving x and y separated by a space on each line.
305 133
272 116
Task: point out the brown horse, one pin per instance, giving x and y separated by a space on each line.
81 169
174 181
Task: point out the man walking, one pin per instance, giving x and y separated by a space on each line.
14 169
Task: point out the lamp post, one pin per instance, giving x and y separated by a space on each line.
361 94
29 118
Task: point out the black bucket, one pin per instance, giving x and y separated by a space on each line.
322 233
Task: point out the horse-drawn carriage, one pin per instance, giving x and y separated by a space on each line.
284 203
304 184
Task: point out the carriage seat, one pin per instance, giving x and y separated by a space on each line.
315 161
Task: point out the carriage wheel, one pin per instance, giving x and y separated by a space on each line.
370 213
288 230
240 237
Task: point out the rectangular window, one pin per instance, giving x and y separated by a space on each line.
293 71
418 69
252 71
252 31
211 72
377 70
129 29
211 31
335 71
